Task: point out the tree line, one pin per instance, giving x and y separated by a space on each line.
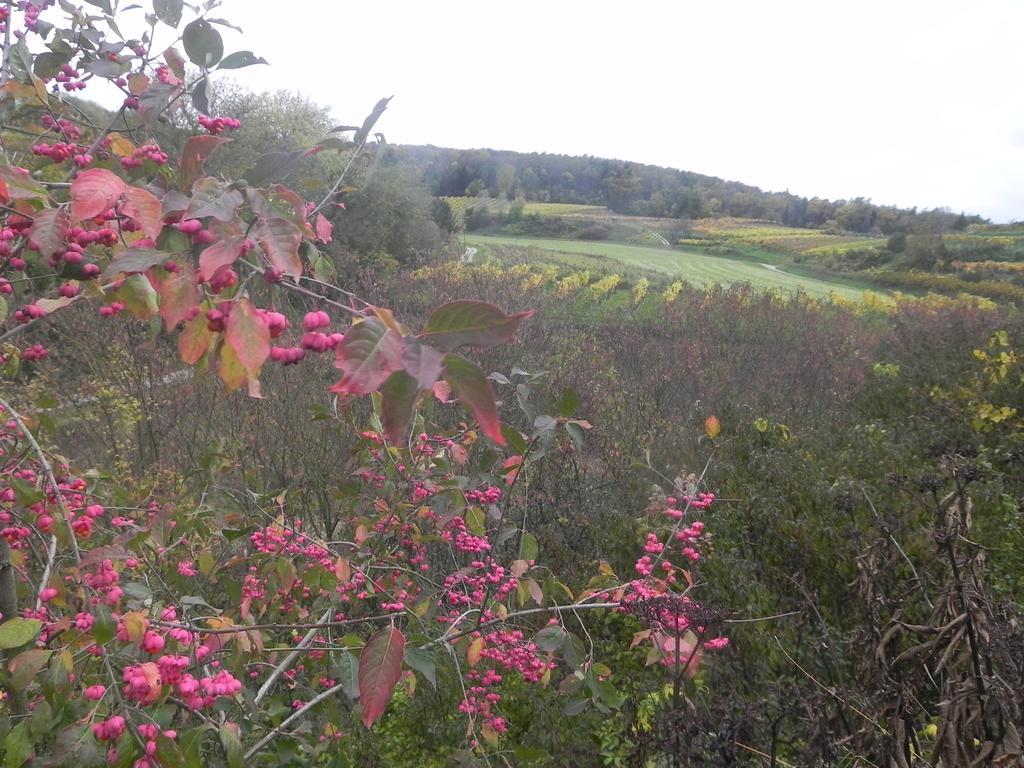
649 190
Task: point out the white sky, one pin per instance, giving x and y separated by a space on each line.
905 102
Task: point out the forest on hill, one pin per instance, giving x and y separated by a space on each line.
317 450
649 190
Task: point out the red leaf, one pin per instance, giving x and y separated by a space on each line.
248 336
178 296
476 323
49 230
16 184
323 229
194 340
145 208
280 240
475 392
94 191
442 391
380 668
221 254
196 150
421 362
369 354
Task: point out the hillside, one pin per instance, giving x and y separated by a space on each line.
647 190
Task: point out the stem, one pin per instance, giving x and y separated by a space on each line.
528 612
280 669
5 70
292 718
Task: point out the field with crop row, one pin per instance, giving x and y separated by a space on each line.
694 267
460 205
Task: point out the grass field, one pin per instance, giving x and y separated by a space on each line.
461 204
694 267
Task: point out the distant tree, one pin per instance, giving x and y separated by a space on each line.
443 215
515 211
622 189
924 250
391 215
897 242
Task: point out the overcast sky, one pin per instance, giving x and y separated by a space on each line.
905 102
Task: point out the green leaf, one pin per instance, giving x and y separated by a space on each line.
139 296
551 637
371 120
370 353
211 198
134 260
18 746
25 493
16 632
191 743
168 11
513 438
25 665
399 393
543 424
380 668
568 402
347 672
231 740
104 628
323 269
576 433
475 323
201 96
475 521
528 549
240 59
273 165
475 392
203 44
48 64
423 662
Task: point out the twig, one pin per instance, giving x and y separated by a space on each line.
5 70
829 691
292 718
779 760
53 483
324 624
280 669
446 638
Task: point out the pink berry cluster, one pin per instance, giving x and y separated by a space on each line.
313 340
143 153
217 125
69 78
